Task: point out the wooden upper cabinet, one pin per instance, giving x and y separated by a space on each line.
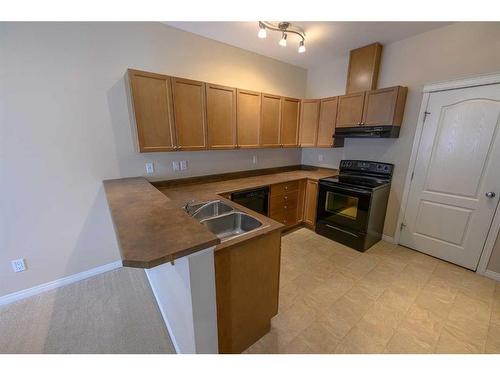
221 116
384 106
364 64
270 121
350 110
248 118
290 111
309 117
327 121
151 98
189 113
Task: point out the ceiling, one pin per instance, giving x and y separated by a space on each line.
324 40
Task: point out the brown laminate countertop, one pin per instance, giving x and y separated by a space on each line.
152 227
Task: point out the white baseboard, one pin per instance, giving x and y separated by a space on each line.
388 239
16 296
491 274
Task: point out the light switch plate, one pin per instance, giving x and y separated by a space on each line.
183 164
18 265
320 157
254 159
175 166
150 168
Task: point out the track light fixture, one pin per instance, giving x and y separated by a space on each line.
262 31
285 28
282 41
302 47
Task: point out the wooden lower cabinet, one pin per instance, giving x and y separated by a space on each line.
286 202
310 203
247 287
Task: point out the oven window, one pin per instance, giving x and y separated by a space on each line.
342 205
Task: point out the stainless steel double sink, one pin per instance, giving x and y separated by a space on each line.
222 219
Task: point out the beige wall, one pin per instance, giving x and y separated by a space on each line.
65 126
441 54
494 263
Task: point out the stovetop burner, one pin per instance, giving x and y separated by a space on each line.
358 180
360 173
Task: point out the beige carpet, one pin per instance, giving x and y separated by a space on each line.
111 313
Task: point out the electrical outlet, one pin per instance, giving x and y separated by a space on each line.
18 265
184 165
150 168
320 157
175 166
254 159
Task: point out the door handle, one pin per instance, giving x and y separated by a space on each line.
490 194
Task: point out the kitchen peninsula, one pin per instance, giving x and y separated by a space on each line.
190 268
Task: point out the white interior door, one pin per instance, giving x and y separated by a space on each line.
456 181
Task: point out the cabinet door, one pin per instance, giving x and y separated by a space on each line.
309 117
289 134
350 110
151 98
311 202
270 121
247 286
221 117
189 114
384 106
248 118
363 68
327 120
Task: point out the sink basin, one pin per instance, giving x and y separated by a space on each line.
205 210
231 225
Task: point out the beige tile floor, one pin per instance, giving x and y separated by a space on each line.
389 299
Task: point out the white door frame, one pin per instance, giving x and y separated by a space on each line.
480 80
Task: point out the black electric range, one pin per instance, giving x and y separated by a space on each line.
351 207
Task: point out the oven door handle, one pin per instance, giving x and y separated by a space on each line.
343 189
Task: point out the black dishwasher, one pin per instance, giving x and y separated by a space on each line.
255 199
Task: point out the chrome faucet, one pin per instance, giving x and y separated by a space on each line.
187 206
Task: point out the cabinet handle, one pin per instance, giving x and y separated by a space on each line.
285 207
286 197
286 187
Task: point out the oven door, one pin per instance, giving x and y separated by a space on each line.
343 206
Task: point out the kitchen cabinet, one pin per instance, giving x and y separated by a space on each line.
350 110
327 121
311 202
384 106
221 116
151 98
364 63
285 203
189 104
270 121
248 118
309 117
247 289
289 133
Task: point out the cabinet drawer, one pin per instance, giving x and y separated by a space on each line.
287 217
277 207
289 197
285 187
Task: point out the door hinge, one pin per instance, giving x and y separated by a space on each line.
426 114
402 226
